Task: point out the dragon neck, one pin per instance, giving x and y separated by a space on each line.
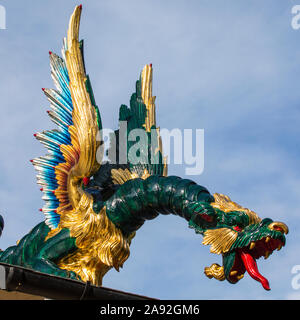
138 200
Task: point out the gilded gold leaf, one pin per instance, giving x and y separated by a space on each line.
225 204
220 239
215 271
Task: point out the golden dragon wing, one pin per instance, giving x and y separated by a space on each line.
72 149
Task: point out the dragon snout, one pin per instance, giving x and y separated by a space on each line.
279 226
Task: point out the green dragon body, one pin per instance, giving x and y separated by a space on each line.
93 211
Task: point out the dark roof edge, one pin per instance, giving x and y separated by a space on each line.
16 278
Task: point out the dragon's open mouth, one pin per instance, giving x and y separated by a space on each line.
245 260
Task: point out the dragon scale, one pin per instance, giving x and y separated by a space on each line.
139 199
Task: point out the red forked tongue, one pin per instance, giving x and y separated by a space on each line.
251 267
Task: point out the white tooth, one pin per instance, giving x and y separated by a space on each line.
252 245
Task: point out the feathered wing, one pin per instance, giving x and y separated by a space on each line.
72 148
138 152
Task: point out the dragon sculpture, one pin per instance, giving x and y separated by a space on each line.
93 209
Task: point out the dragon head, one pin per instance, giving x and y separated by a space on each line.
240 236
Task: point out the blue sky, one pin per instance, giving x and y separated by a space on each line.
231 68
